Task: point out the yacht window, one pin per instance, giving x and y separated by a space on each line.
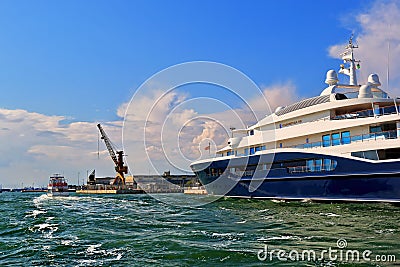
310 165
264 167
381 154
375 129
251 150
369 154
326 140
258 148
388 127
251 132
280 145
358 154
263 148
334 164
246 151
318 165
335 139
327 164
377 110
389 110
346 137
276 165
391 153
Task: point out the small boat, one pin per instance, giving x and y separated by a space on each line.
57 186
33 190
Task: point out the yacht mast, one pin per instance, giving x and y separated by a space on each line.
348 57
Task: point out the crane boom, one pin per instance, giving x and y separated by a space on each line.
120 168
108 144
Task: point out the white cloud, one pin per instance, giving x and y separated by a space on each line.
39 145
380 26
34 146
276 95
176 133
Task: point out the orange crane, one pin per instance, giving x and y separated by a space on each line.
120 167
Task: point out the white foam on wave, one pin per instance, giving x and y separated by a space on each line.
329 214
226 235
41 198
92 248
264 210
119 218
69 240
385 231
87 262
45 228
282 237
71 198
35 213
278 200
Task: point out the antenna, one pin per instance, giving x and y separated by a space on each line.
232 128
388 63
348 57
98 145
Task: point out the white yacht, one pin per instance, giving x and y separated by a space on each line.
341 145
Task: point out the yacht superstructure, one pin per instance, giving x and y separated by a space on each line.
341 145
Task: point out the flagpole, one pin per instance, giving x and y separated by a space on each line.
209 148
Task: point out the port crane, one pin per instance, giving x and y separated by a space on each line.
117 157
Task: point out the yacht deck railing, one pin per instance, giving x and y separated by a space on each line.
369 113
349 139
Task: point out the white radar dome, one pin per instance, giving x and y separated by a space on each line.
365 92
373 79
331 77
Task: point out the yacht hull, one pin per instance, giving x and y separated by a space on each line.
351 180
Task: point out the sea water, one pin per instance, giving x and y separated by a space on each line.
140 230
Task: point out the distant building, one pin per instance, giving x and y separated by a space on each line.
166 181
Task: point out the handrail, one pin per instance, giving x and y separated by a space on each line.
365 113
392 134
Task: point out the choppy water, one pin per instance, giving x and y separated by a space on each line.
138 230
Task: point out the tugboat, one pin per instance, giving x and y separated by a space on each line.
57 186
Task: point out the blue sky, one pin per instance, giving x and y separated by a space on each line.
80 61
83 58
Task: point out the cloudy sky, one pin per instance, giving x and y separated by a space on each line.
68 65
